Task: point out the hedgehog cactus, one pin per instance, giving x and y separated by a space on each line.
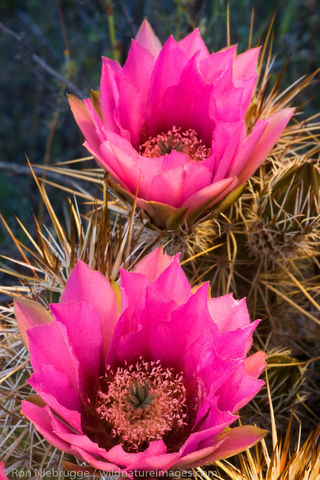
285 214
286 379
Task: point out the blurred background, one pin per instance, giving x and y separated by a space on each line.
50 48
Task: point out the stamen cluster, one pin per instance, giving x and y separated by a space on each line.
142 402
185 141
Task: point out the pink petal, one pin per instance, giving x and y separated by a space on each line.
75 439
191 98
94 462
84 121
155 457
245 64
238 390
227 139
120 157
229 314
153 264
173 185
172 285
55 389
84 336
109 93
255 364
148 39
207 195
220 420
235 441
161 462
133 291
49 345
195 458
170 340
131 121
102 160
194 43
226 444
166 73
3 475
227 106
96 119
29 314
138 67
217 64
131 334
93 288
248 86
276 123
168 187
119 456
211 370
248 147
165 179
235 343
41 418
129 340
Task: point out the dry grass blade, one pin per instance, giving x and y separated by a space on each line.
281 463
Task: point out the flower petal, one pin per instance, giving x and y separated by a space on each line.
227 139
97 464
220 420
170 340
166 73
3 475
217 64
138 67
235 441
172 285
229 314
131 121
255 364
28 314
82 323
245 64
238 390
49 345
248 147
92 287
228 443
154 457
41 418
84 120
75 439
235 343
148 39
153 264
194 43
173 185
276 123
109 93
55 389
191 98
206 197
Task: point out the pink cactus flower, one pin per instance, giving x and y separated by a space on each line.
3 475
153 387
169 126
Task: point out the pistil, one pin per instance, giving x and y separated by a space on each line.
185 141
142 402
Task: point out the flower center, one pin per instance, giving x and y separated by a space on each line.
185 141
141 403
